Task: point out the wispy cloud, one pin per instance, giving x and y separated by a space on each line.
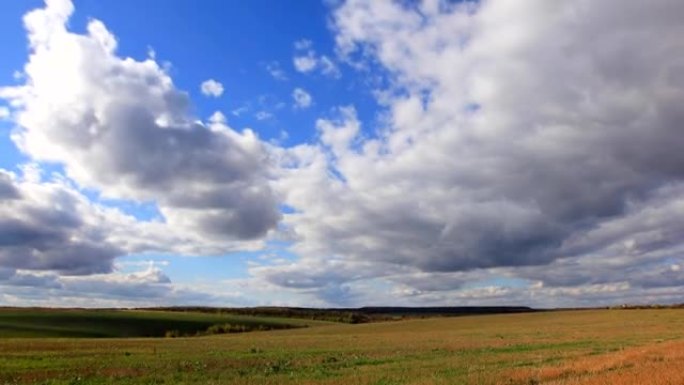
263 115
306 60
302 99
276 71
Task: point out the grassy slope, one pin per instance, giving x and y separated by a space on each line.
579 347
119 323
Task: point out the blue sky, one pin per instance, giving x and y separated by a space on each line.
234 43
340 153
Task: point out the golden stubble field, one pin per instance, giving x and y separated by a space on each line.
566 347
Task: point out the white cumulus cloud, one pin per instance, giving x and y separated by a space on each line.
305 63
211 88
120 126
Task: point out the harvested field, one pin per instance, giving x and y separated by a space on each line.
565 347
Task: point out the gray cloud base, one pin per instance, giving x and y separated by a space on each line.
49 227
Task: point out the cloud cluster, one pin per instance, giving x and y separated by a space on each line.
527 152
520 137
121 127
48 224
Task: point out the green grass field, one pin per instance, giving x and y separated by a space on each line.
566 347
124 323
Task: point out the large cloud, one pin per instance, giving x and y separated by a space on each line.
49 226
517 133
527 152
120 126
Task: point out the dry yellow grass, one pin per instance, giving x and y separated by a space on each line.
657 364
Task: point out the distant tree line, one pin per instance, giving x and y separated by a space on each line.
353 315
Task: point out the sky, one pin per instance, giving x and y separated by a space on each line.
341 153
